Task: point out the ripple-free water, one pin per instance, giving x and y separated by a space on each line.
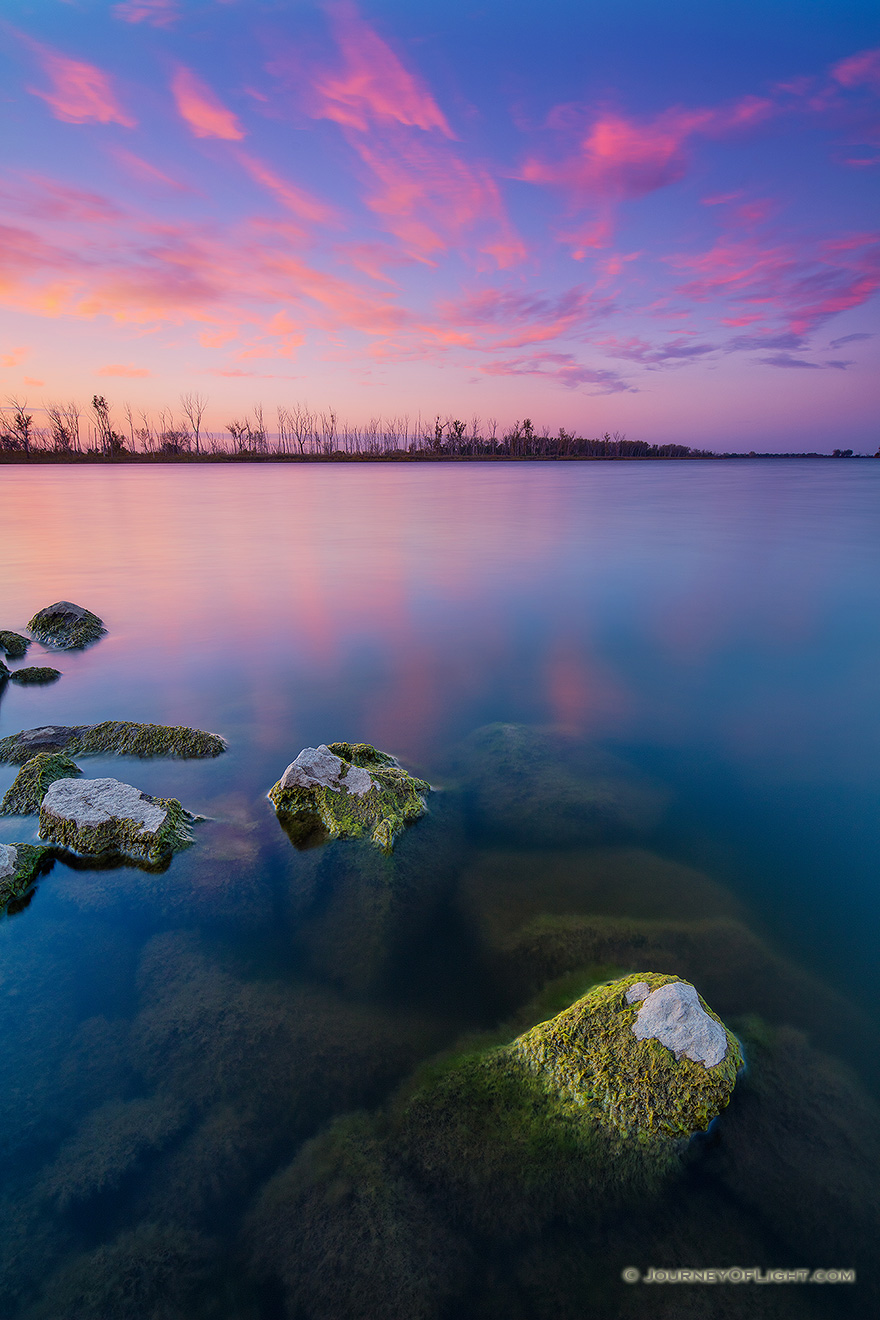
170 1041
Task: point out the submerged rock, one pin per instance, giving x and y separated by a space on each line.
35 674
66 626
4 673
348 790
536 787
20 864
576 1114
122 737
33 780
13 643
104 816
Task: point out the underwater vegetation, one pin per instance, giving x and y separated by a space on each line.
66 626
122 737
537 788
347 791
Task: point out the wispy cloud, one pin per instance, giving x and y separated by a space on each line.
158 13
201 110
80 93
562 368
123 369
849 339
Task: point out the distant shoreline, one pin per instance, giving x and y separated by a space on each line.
42 458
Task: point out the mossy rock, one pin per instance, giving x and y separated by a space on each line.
347 791
35 674
4 673
66 626
112 737
104 817
578 1112
20 865
536 787
33 780
13 643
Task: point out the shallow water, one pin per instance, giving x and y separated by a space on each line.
170 1041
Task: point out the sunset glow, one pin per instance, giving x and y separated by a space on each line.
409 211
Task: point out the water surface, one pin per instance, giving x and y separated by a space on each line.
171 1040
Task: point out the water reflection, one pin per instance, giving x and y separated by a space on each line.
645 698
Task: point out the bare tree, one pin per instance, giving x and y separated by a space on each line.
64 432
194 406
20 433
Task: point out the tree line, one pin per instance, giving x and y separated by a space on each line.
71 431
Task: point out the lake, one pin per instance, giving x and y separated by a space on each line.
701 639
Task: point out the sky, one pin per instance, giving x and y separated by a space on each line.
661 220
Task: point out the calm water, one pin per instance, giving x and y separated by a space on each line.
171 1041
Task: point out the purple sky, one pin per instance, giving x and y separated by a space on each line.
665 224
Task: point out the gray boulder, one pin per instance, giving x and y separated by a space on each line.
96 817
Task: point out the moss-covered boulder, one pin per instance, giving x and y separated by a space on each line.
13 643
35 674
535 786
97 817
33 780
644 1055
347 791
20 864
112 737
590 1109
4 673
66 626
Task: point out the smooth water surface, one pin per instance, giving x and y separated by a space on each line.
171 1040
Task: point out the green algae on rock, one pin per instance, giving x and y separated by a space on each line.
643 1054
13 643
581 1110
33 780
348 790
66 626
95 817
35 674
20 864
119 737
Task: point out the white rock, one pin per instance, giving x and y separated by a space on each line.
8 854
91 802
640 990
674 1015
318 767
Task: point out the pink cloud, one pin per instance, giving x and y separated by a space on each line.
123 369
13 359
858 70
205 114
418 184
561 367
620 159
801 285
158 13
373 86
145 172
514 320
32 380
297 200
81 93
